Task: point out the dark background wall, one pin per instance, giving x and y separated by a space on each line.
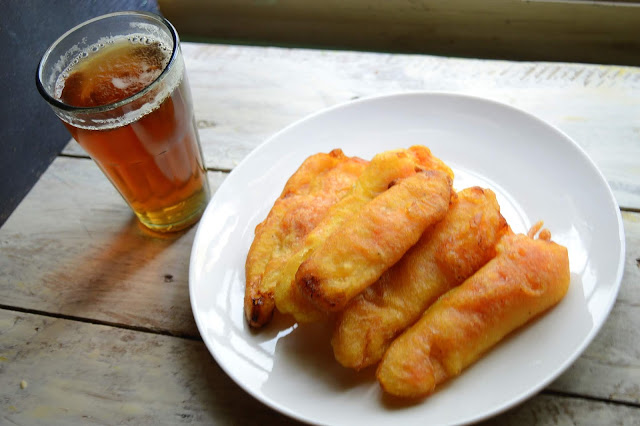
602 32
30 134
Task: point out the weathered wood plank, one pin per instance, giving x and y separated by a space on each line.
113 298
78 373
56 371
73 247
243 95
551 410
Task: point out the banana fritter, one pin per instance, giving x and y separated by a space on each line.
382 172
446 254
319 182
371 241
526 278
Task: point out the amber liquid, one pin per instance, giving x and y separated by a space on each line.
155 162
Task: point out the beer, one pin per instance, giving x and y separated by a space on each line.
150 150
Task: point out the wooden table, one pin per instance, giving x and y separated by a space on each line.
95 321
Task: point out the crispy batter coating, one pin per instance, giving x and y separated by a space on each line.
356 254
526 278
383 171
319 182
446 254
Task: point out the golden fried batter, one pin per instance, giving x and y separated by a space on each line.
383 170
319 182
527 277
356 254
446 254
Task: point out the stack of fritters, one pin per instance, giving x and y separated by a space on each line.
419 279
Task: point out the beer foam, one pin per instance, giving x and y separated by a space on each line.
163 84
121 83
80 54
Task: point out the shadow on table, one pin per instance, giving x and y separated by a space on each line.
129 276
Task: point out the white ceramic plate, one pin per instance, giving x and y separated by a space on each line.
537 173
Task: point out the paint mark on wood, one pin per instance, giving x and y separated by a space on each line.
203 124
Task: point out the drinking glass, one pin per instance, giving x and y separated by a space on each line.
118 84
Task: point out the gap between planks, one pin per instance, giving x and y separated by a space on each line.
140 329
559 394
571 395
226 170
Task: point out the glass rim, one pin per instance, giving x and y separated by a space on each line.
52 100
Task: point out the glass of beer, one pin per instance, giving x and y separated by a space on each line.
118 84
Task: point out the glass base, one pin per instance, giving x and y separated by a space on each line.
177 217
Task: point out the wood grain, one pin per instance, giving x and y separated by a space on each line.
74 248
241 98
556 410
55 371
95 320
79 373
